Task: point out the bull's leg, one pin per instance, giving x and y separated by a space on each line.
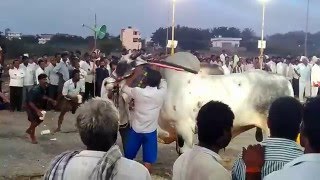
185 132
166 132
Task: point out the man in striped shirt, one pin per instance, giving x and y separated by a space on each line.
284 119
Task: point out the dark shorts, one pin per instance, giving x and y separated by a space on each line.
149 145
32 115
67 105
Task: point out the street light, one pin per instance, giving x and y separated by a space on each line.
173 23
264 2
306 35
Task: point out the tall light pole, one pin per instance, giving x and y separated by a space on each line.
173 24
307 29
264 2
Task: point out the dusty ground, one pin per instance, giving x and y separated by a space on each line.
20 159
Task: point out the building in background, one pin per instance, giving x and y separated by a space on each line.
44 38
225 42
131 38
12 35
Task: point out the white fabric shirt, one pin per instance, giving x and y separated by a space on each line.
223 58
53 76
290 71
305 167
88 68
304 71
272 65
315 74
70 89
38 72
295 75
81 166
63 69
226 70
16 77
199 163
147 104
29 73
281 69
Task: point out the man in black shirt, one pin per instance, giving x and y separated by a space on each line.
35 102
101 74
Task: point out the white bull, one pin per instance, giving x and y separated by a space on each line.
249 95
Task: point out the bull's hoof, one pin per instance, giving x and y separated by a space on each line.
259 135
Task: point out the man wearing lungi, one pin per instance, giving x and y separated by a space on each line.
72 94
35 101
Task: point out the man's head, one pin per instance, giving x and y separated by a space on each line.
305 60
43 80
153 78
102 62
42 64
215 121
94 55
75 75
53 61
65 56
25 60
78 53
310 128
284 118
223 51
86 56
97 123
16 63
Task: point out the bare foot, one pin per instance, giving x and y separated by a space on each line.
57 130
34 141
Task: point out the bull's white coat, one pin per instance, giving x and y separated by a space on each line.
249 95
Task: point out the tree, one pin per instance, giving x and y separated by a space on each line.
247 34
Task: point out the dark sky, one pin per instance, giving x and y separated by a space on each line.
66 16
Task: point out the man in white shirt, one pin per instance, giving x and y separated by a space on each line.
306 166
88 66
97 124
227 69
315 78
272 65
40 69
72 93
147 104
214 133
62 70
304 72
281 68
53 79
16 85
223 57
28 80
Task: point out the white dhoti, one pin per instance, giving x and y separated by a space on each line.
314 91
304 89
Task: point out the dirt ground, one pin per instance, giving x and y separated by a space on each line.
19 159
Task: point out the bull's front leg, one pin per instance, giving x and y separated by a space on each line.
185 134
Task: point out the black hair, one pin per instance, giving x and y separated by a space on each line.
153 78
214 118
86 54
40 61
42 76
78 52
24 58
285 116
64 54
15 61
74 72
311 122
57 54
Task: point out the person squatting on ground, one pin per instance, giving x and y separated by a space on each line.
72 94
147 104
97 122
35 102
